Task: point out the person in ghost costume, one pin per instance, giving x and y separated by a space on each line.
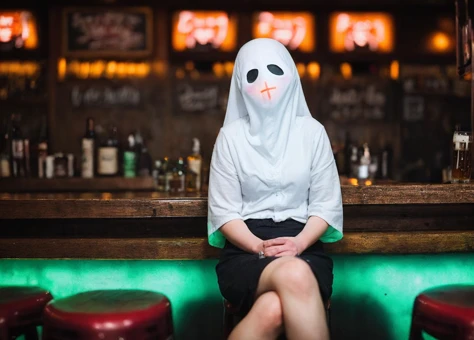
274 197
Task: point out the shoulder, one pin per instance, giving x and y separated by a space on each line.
310 127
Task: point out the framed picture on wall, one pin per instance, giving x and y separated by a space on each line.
107 32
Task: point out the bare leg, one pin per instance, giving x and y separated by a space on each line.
263 321
303 311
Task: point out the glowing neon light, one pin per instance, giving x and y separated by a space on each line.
18 28
294 30
362 30
202 28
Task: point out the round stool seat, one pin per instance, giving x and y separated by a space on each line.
109 314
446 312
21 310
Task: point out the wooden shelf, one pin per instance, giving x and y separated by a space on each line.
76 184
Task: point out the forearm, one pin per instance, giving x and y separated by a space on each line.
312 231
237 232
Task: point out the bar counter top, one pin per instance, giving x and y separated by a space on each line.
380 219
157 204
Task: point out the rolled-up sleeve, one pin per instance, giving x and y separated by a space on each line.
325 200
225 195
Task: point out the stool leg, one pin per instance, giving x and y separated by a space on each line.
4 333
228 324
31 333
415 331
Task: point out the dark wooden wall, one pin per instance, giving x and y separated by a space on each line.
168 132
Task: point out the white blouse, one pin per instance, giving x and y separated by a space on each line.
303 183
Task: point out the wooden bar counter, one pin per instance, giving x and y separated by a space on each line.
383 219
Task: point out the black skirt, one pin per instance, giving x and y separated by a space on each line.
238 272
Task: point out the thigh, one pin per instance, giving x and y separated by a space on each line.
320 267
272 276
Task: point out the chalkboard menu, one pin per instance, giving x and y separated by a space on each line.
106 96
114 32
357 100
193 96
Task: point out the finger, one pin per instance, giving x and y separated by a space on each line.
286 253
272 251
274 242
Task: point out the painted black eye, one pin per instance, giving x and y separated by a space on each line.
252 75
275 69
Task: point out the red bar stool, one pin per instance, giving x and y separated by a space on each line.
109 314
231 316
445 312
21 310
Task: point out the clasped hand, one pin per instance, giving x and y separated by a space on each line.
281 246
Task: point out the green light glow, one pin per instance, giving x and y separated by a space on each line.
372 299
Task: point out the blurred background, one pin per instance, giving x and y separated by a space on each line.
148 77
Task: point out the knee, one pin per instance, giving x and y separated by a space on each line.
269 311
297 276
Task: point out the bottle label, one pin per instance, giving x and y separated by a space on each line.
129 164
87 158
49 167
108 161
4 167
60 167
363 171
194 165
18 150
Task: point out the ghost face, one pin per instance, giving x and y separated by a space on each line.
265 84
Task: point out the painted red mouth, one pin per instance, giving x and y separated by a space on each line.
267 90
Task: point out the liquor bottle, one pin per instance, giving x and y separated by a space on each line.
158 176
5 151
168 173
42 149
364 163
145 162
60 165
177 181
138 143
181 174
193 175
26 146
18 153
386 162
88 148
347 155
108 153
354 161
130 158
70 165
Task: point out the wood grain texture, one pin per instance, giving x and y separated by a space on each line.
198 248
360 218
155 204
